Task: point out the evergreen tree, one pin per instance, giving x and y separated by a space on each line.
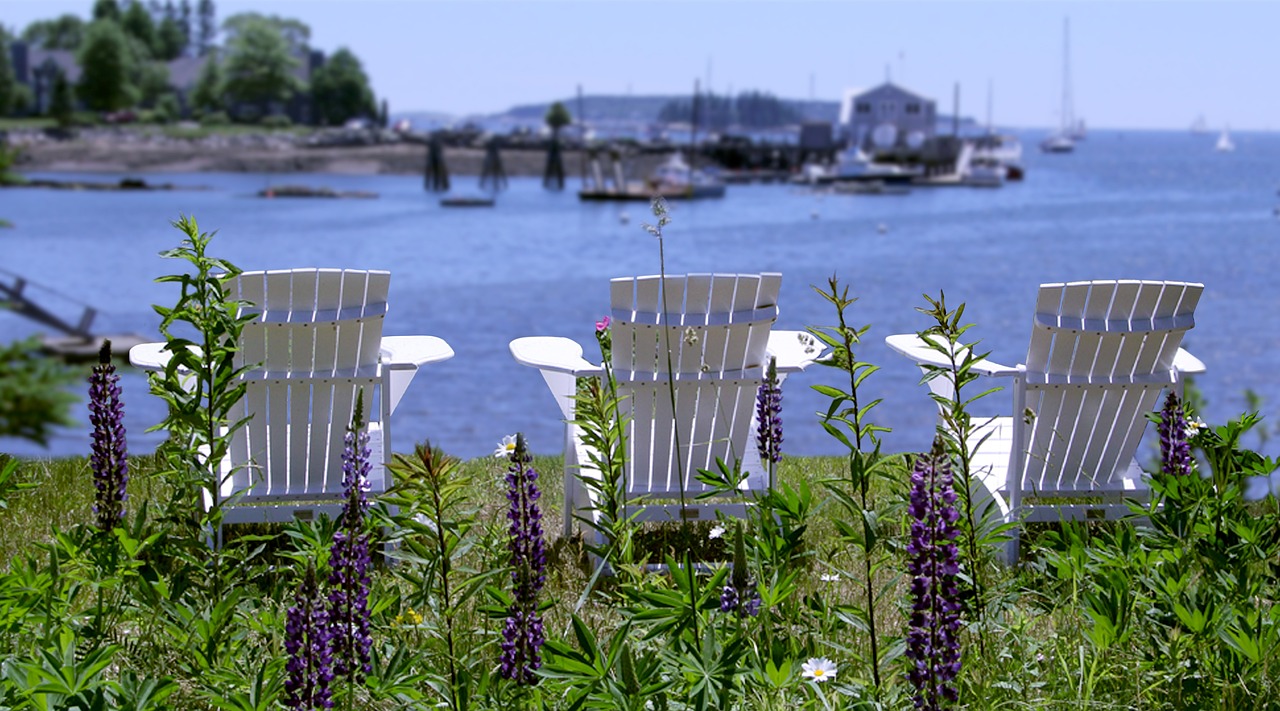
206 96
106 10
340 90
62 103
107 68
170 42
184 24
206 27
8 81
65 32
138 24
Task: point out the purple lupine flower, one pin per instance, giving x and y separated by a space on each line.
109 455
1175 450
741 595
769 416
933 645
310 667
349 560
522 636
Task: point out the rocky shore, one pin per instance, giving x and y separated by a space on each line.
148 149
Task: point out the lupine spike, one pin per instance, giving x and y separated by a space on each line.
769 416
523 635
349 560
1175 450
109 455
933 646
741 594
310 666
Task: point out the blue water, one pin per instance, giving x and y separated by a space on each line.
1145 205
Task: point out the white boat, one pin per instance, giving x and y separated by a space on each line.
1061 141
674 178
1225 145
852 165
1001 149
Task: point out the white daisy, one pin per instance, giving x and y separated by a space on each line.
819 669
716 532
830 577
505 447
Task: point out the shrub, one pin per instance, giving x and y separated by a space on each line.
215 118
276 121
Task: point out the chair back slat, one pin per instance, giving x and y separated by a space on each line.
1100 355
314 345
717 326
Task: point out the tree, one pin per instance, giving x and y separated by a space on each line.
170 42
259 66
106 10
184 23
66 32
340 90
206 27
62 103
107 68
207 93
296 34
558 117
8 81
138 24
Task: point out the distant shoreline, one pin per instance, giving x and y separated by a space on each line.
127 152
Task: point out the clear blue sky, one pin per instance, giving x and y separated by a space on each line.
1133 64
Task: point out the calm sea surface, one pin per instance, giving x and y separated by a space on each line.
1144 205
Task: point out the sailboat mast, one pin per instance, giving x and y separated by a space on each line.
693 129
1067 109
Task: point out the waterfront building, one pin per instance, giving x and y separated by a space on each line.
887 116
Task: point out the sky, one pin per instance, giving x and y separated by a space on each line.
1132 64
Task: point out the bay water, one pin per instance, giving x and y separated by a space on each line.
1131 205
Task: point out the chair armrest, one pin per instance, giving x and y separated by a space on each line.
149 356
414 351
911 346
555 354
1187 364
795 350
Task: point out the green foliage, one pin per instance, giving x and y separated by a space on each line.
276 121
206 96
168 109
8 81
33 392
215 118
750 109
106 10
64 32
258 70
107 68
847 419
558 117
340 90
169 40
137 23
202 332
62 103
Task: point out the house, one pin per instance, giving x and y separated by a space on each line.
37 69
887 116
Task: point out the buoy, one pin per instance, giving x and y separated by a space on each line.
623 217
882 228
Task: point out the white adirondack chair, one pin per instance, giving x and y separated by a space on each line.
720 333
316 344
1101 354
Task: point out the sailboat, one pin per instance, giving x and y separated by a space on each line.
1061 142
1225 145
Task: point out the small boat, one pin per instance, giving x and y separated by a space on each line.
1058 143
852 165
467 201
675 178
1225 145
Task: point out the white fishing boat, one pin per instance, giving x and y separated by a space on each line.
852 165
1225 144
675 178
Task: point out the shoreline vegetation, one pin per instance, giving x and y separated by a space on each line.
333 151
